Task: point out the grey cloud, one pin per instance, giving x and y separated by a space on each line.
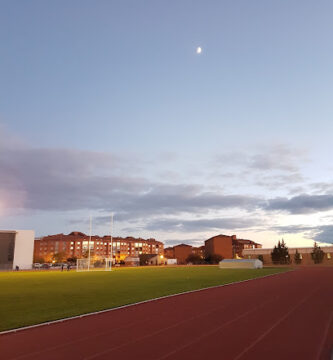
291 229
193 242
302 204
62 179
321 233
324 234
201 224
273 158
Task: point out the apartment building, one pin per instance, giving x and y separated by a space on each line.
53 247
182 251
229 247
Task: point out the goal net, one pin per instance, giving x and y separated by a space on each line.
100 264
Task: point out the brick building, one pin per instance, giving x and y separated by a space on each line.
182 251
305 253
228 246
75 244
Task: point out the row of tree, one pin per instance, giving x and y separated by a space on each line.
196 259
280 254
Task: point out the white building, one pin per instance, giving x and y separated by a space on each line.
240 264
16 249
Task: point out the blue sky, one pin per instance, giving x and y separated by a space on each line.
105 106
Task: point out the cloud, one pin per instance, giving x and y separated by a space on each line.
66 179
324 234
302 204
320 233
192 242
200 224
278 157
291 229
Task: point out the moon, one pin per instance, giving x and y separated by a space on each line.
199 50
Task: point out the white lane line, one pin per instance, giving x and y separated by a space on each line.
211 332
170 327
322 344
24 356
275 325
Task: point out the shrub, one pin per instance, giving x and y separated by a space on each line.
280 254
317 254
297 257
194 259
213 258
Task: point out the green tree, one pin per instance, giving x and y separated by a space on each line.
213 258
317 254
280 254
297 257
194 259
39 260
59 257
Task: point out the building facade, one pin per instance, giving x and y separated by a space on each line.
16 249
75 245
229 247
182 251
305 254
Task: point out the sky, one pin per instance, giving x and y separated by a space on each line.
106 107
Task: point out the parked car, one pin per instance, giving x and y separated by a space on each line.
37 265
45 266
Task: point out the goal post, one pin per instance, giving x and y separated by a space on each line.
108 264
82 265
94 264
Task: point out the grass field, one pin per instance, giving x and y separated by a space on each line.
34 297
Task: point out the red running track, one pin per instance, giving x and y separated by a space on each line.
286 316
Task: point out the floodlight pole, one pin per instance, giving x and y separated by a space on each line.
89 243
111 230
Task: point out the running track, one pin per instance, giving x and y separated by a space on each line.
286 316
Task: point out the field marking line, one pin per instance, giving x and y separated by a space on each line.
322 344
265 333
136 304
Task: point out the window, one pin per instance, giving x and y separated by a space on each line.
328 256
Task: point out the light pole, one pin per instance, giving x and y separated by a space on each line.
89 243
111 239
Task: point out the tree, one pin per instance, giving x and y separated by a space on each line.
280 254
213 258
194 259
317 254
297 257
59 257
72 259
39 260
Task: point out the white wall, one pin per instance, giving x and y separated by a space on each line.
24 249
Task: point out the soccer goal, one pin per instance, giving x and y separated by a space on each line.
100 264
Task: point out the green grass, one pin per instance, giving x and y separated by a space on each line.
28 298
